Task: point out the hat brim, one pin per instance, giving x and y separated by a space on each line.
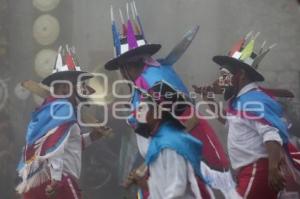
232 63
66 75
148 49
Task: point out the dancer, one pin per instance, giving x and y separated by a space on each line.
136 64
173 155
51 160
258 143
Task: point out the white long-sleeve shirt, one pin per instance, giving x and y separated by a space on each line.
246 138
70 159
180 174
172 177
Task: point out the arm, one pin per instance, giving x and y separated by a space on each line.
94 135
273 144
276 177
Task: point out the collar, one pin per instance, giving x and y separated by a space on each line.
247 88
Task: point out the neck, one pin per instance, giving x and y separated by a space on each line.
242 85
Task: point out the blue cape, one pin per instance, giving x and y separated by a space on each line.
42 121
47 117
171 136
264 107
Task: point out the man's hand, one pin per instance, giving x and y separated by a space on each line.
100 132
208 91
51 189
276 178
276 163
133 178
205 91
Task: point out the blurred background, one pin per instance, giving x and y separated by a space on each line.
32 30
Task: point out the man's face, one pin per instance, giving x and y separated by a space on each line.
76 92
228 83
132 69
225 79
232 83
84 89
62 88
143 112
147 115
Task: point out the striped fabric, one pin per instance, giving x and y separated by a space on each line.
139 194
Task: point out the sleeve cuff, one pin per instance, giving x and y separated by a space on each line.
86 139
268 133
272 136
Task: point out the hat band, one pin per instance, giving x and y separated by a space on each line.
237 55
65 68
125 47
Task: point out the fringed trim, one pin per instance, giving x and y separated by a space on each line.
37 172
40 177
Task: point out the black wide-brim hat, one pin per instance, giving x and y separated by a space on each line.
231 64
66 75
147 49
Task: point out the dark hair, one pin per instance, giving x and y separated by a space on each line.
168 117
249 76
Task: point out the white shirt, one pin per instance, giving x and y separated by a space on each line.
172 177
246 137
143 144
70 159
219 180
